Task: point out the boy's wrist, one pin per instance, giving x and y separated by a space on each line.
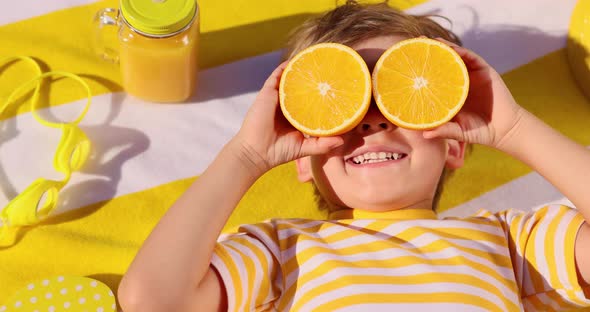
512 141
247 157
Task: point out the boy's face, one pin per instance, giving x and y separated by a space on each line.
409 181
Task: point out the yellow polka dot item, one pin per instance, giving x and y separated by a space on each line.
63 293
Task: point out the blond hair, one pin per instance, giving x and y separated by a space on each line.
352 23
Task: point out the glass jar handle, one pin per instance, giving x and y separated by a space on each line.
102 19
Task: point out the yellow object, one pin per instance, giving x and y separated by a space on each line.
158 47
159 18
40 198
578 45
100 240
90 241
325 89
63 293
420 83
250 30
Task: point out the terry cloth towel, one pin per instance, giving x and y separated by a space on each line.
145 155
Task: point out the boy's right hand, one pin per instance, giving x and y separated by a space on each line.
266 139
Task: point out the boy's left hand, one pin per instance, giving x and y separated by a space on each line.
490 112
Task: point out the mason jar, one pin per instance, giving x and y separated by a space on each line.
157 47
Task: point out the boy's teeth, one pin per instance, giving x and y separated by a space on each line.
373 157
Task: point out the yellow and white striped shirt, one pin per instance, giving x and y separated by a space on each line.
405 260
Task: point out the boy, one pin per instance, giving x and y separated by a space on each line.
383 247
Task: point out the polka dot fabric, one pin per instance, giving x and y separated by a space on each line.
63 293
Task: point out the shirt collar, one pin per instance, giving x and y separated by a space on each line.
400 214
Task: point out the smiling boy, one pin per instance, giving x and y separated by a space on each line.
383 247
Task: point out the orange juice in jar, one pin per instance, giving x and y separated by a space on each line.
158 47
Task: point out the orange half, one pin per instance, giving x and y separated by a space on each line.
325 90
420 83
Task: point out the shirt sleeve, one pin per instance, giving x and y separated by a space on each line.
541 244
249 267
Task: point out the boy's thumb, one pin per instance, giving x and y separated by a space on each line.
320 145
449 130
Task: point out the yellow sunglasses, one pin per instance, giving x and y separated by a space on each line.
40 198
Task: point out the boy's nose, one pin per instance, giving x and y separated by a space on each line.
374 121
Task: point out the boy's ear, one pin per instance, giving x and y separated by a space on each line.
455 154
304 169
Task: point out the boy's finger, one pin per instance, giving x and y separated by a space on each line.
450 130
320 145
452 44
272 82
269 92
471 59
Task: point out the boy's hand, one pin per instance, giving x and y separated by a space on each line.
490 112
266 139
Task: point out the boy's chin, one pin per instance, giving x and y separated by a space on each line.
380 208
380 196
379 204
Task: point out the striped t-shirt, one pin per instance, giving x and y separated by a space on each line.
405 260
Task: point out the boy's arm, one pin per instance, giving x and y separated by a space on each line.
172 271
560 160
492 117
564 163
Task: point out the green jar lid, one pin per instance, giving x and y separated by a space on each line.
158 17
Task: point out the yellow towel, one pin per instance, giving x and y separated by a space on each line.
100 240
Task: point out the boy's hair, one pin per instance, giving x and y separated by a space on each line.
352 23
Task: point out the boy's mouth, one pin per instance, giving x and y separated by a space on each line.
375 157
